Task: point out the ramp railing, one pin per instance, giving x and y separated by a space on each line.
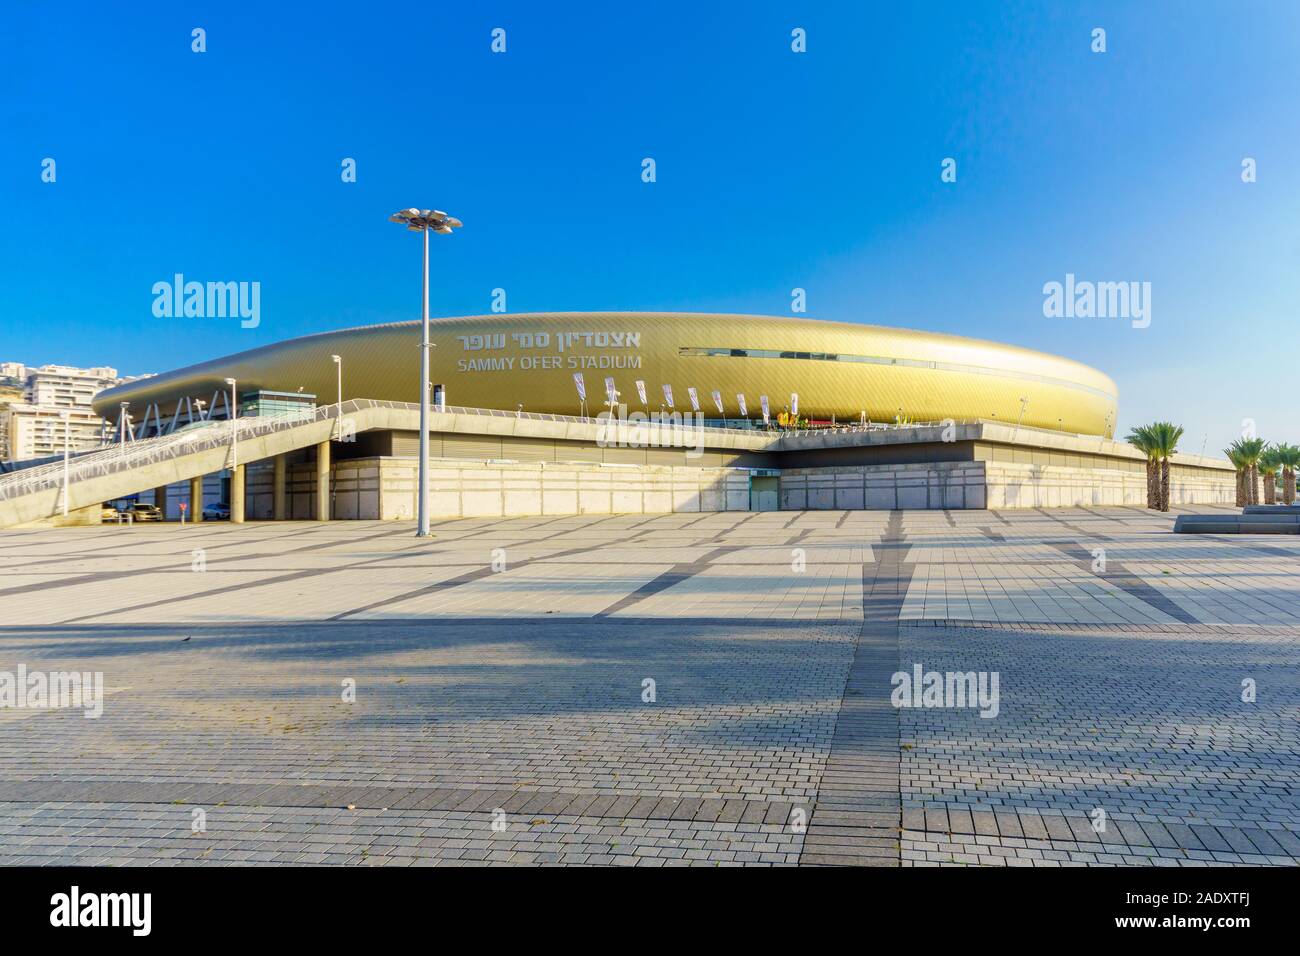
202 436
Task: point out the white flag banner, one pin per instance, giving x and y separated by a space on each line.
740 400
668 395
794 404
767 414
695 398
610 391
640 390
582 386
717 400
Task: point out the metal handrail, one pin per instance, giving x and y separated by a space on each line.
125 456
215 433
122 457
858 427
55 469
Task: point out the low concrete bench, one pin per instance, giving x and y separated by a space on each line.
1238 524
1271 510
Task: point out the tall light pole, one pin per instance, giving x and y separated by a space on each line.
123 425
425 221
234 425
1024 403
67 441
338 418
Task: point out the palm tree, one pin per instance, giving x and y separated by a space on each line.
1269 463
1254 451
1289 458
1143 439
1166 436
1237 455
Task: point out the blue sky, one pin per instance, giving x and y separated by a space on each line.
775 170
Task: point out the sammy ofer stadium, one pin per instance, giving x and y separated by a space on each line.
328 425
838 370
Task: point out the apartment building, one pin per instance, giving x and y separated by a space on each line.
43 407
11 393
61 386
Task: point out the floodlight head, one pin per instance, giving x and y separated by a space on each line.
418 220
230 382
336 358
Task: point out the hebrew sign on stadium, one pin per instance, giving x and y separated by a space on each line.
503 361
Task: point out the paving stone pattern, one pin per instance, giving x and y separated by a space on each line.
502 672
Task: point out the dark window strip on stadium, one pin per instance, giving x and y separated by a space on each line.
883 360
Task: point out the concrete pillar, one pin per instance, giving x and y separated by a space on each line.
279 482
196 499
160 499
237 494
323 481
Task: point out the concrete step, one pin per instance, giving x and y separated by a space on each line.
1238 524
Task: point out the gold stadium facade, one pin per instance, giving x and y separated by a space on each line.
837 369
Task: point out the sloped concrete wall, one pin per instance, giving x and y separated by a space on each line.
84 516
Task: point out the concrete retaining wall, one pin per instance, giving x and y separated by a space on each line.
384 488
485 489
959 485
1010 468
1046 486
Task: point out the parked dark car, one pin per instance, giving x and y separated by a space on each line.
216 512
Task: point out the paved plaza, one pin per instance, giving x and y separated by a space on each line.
685 689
